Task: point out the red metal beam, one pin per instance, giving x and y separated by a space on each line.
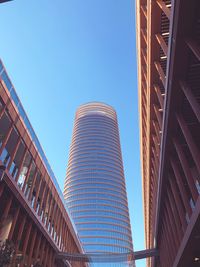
189 139
194 47
191 98
159 95
179 260
186 169
164 8
181 186
160 72
162 43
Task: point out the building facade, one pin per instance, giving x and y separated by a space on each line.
95 190
168 46
3 1
33 218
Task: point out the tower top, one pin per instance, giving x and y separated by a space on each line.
96 108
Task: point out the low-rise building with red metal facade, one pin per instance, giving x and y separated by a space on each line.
168 47
33 216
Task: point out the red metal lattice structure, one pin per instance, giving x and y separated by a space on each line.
168 41
32 214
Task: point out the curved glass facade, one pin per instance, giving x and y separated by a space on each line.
95 191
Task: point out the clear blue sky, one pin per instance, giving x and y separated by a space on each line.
60 54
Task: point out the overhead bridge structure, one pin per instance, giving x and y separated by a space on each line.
106 258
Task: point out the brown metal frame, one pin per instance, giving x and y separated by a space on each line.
168 81
20 207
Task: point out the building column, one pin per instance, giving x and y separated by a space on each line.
14 223
49 260
186 169
56 222
7 207
162 248
168 245
45 208
49 209
169 241
46 255
2 186
42 197
171 209
42 251
170 236
3 111
33 241
181 187
21 228
178 203
37 194
53 259
24 248
6 138
38 242
172 226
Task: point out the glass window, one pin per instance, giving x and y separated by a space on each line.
24 169
30 179
13 169
97 207
12 141
6 80
96 200
116 197
5 157
101 226
1 105
17 160
5 124
93 180
105 233
1 67
100 186
99 213
104 240
101 219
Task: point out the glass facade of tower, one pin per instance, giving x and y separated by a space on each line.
95 189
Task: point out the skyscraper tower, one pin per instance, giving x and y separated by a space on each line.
95 190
